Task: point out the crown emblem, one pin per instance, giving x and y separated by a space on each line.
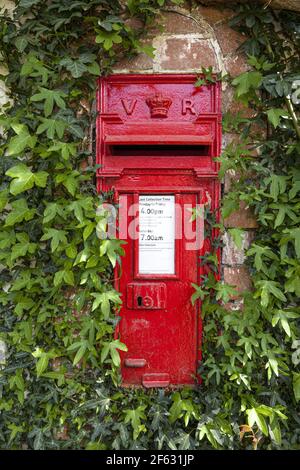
159 106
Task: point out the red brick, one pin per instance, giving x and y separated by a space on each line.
229 104
134 23
242 218
236 63
177 23
215 15
228 39
187 54
230 137
238 277
139 62
230 177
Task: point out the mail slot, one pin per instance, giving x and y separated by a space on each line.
157 139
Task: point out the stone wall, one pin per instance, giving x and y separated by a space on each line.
189 40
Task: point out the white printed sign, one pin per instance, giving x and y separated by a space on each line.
156 234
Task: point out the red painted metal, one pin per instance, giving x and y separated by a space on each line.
158 135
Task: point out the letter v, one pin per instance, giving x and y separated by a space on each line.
129 105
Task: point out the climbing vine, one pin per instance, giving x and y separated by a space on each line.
59 381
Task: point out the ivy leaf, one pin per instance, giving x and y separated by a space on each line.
65 148
275 114
265 288
33 67
73 127
42 364
21 43
198 294
108 39
25 304
24 178
283 316
64 275
111 21
89 228
296 385
71 251
237 235
184 441
22 140
3 198
295 190
22 248
230 204
52 209
295 234
69 180
110 248
84 63
199 82
225 292
58 237
177 408
258 418
50 97
81 352
76 207
104 300
94 69
52 127
284 210
111 348
134 417
259 252
43 360
76 67
20 211
247 81
278 185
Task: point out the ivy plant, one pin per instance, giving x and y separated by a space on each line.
59 383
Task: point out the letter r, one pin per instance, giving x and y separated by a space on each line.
188 105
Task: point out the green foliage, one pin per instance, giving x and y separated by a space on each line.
60 384
237 236
256 347
246 84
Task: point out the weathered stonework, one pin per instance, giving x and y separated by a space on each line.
242 218
238 277
196 49
231 254
189 40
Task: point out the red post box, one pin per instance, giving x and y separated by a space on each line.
157 136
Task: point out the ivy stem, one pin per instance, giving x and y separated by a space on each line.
293 115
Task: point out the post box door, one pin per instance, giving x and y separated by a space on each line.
159 324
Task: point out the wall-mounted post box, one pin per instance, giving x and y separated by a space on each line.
157 136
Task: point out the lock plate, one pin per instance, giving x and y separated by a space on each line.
146 295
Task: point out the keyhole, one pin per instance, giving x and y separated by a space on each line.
139 301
